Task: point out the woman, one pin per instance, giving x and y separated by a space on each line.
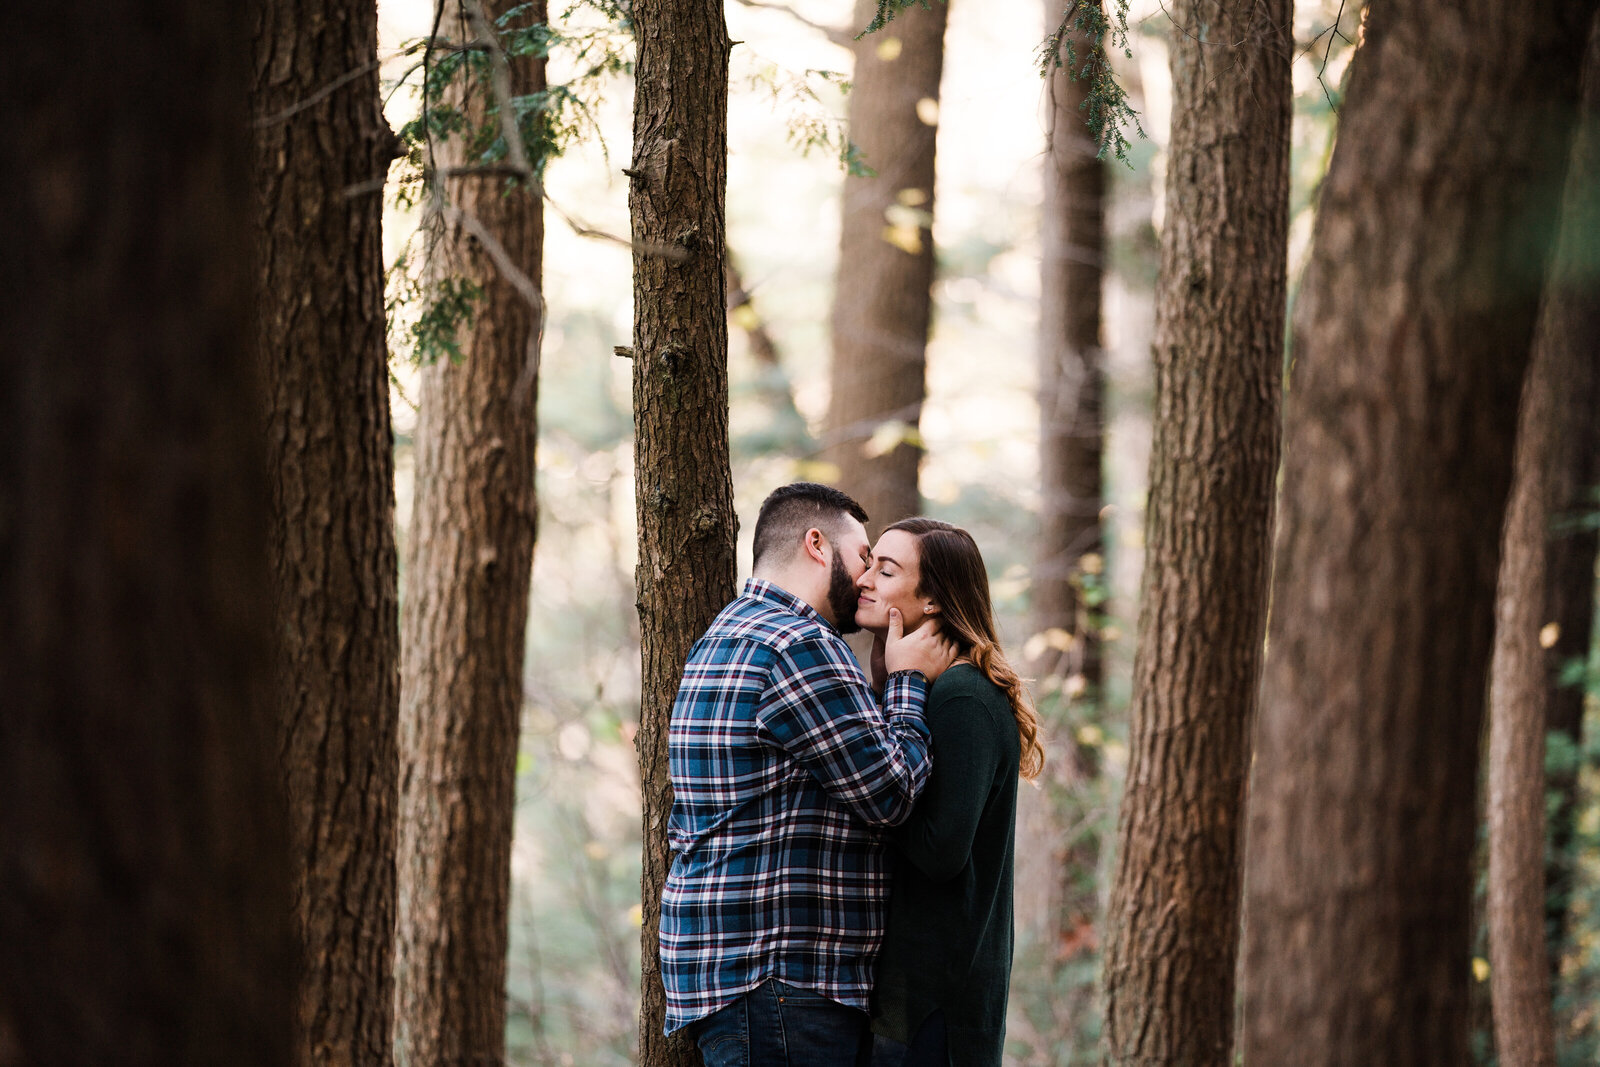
945 968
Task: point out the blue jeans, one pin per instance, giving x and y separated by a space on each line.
780 1025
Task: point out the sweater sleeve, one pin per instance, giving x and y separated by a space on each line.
966 756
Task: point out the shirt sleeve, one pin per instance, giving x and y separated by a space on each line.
967 755
820 710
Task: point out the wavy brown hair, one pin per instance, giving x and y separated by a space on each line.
951 572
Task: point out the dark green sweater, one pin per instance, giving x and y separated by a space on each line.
948 943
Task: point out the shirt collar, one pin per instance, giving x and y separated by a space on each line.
761 589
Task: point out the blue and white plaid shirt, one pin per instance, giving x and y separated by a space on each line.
785 774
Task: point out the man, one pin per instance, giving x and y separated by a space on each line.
785 772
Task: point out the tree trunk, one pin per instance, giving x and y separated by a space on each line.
1554 465
680 408
882 300
1071 377
1220 303
469 565
1411 338
144 864
1065 655
1570 325
330 462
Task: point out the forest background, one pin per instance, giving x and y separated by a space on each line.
170 614
574 962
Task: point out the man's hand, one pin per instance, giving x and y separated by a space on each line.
924 649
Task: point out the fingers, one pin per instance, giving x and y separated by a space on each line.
896 625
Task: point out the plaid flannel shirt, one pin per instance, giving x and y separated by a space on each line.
785 773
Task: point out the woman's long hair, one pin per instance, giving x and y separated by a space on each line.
952 574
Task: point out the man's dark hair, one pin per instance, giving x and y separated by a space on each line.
793 509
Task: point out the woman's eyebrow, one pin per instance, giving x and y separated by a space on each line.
888 559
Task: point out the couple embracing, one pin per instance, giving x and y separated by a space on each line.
840 892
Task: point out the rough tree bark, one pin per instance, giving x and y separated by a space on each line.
1071 373
144 865
882 302
469 565
684 486
1173 921
1554 465
1411 337
320 336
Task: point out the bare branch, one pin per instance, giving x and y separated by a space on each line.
841 37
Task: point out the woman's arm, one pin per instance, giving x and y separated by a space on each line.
967 754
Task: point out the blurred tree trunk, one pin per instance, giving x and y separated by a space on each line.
1063 653
330 461
1411 338
144 861
1173 922
1555 466
684 486
469 565
1071 376
1570 323
882 302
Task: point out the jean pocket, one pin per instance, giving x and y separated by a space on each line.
793 994
724 1036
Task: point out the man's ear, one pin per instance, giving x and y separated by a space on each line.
816 545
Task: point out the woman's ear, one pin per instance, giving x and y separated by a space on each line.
930 608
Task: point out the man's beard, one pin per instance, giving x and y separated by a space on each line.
842 596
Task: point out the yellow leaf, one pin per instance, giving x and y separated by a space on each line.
1090 735
907 239
1550 635
1480 968
928 111
889 49
816 470
912 197
636 915
744 316
889 435
1092 563
1077 684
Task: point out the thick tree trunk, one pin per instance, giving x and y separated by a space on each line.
882 302
330 461
469 564
680 408
1411 338
1570 325
1220 303
144 865
1071 376
1555 464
